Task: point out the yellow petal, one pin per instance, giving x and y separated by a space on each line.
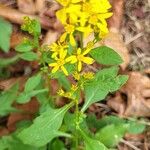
63 37
79 66
64 70
78 51
52 64
62 54
62 15
55 69
86 51
88 60
72 59
72 40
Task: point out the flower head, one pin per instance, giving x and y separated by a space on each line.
81 58
57 47
61 60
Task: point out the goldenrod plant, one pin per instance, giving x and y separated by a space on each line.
68 61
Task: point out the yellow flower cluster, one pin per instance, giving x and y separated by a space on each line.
60 57
86 16
78 16
69 94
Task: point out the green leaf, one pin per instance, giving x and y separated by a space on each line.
32 83
135 127
105 81
44 128
12 143
63 81
93 122
8 61
92 144
106 56
57 145
5 33
6 100
29 56
93 93
110 135
26 96
24 47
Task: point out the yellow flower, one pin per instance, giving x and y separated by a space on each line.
86 30
69 32
57 47
76 76
80 57
60 62
88 75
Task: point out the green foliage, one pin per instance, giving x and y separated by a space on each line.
32 26
50 122
92 144
110 135
57 145
106 56
24 47
30 89
6 100
5 33
136 127
8 61
45 127
105 81
12 143
29 56
32 82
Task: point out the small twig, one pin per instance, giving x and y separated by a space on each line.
134 38
129 144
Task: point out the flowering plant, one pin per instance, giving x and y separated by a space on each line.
69 61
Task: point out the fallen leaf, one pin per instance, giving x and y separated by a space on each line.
137 91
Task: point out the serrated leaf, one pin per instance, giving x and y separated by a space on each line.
106 56
110 135
29 56
105 81
92 144
32 83
6 100
5 33
26 96
44 128
24 47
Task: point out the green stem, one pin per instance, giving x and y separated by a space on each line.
77 124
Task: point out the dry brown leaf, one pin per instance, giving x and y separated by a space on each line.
3 131
26 6
17 17
28 111
50 37
137 90
16 38
40 6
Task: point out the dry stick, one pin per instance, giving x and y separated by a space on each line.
17 17
129 144
134 38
